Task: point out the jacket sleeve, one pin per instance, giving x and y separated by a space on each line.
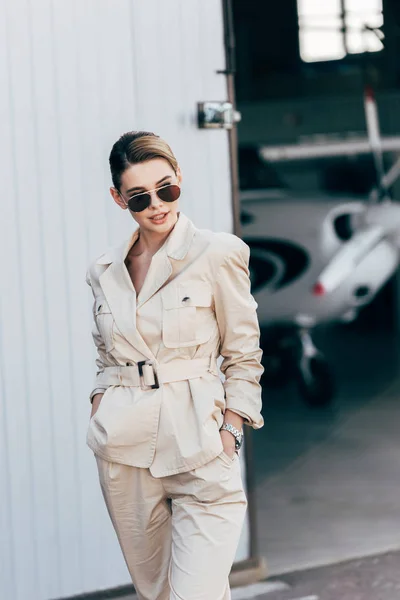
236 315
101 361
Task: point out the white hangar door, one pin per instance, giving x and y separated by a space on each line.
74 76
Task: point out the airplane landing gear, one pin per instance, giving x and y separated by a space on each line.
291 354
277 362
314 377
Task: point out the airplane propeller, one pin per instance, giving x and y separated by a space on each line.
374 137
378 220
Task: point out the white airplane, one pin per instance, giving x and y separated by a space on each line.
316 260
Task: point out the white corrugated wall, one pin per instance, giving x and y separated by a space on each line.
73 76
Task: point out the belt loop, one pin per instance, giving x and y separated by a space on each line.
120 374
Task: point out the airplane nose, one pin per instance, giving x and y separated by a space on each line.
318 289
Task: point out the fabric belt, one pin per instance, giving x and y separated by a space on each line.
149 375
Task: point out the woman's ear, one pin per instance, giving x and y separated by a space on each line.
118 198
179 175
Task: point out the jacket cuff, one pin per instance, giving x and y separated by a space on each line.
252 417
97 391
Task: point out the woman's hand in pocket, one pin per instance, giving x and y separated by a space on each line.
228 442
95 404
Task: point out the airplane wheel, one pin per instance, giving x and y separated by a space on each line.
315 381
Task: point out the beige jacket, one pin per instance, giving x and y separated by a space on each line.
195 305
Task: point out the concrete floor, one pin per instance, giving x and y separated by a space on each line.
374 578
328 480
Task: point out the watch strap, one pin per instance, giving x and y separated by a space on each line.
237 433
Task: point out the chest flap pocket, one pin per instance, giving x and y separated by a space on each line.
188 314
105 322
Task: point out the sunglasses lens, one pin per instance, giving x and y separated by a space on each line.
139 202
170 193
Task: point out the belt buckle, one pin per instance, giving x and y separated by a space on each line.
143 386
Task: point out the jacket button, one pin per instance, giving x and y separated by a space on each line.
185 298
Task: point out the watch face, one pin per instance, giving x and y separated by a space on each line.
239 442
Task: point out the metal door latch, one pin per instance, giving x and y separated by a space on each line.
217 115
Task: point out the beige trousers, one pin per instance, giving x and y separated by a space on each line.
179 534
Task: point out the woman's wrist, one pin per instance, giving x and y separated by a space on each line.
228 442
234 419
228 437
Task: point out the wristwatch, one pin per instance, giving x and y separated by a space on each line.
237 434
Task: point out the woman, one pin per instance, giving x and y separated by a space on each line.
165 430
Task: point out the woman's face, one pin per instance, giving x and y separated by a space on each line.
143 177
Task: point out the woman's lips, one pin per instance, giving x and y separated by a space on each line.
159 218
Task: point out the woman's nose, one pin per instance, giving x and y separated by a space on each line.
155 200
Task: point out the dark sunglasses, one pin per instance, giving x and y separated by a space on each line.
139 202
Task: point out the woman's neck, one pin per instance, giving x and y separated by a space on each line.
149 242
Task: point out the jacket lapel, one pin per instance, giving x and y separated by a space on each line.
163 264
117 285
121 297
159 272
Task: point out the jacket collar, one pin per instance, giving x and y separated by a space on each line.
176 246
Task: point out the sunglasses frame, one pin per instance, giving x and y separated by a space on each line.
148 193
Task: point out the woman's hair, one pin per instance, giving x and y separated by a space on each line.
136 147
